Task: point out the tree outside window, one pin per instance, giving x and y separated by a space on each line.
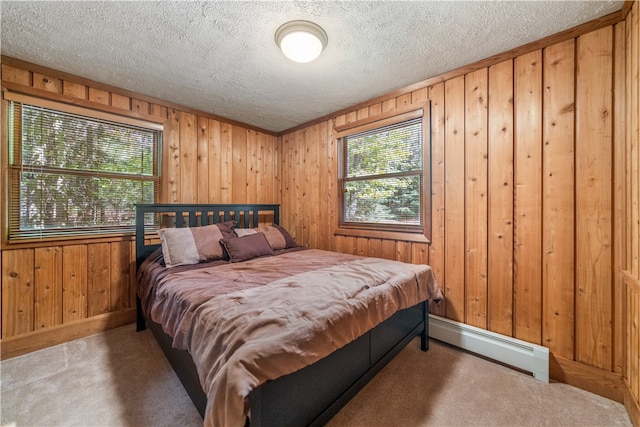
74 174
382 178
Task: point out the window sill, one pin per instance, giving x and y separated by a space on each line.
63 241
387 235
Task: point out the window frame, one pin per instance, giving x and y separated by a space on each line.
392 232
8 180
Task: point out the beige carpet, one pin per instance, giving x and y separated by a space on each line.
121 378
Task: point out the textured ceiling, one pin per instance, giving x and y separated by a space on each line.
220 57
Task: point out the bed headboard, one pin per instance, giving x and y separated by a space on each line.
151 217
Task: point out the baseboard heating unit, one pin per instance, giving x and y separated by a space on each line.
510 351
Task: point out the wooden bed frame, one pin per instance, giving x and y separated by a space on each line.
312 395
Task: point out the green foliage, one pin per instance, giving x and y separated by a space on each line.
383 175
79 172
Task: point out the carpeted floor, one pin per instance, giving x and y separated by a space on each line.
121 378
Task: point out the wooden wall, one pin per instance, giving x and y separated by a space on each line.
59 290
525 151
626 194
535 200
308 171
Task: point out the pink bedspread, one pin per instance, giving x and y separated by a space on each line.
246 323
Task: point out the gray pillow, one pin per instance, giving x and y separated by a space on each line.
182 246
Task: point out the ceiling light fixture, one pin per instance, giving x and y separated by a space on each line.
301 41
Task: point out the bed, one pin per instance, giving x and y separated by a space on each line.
269 335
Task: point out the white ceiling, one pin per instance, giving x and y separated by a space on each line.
220 56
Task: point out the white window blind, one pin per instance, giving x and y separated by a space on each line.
382 178
71 174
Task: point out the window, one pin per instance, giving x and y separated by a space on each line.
383 178
75 174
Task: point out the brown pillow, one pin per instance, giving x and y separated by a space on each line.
182 246
277 236
247 247
291 243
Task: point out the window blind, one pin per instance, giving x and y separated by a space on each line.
77 175
382 177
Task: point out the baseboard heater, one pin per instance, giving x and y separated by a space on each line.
510 351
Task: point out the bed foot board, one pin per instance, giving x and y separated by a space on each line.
311 396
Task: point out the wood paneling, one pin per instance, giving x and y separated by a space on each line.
558 199
454 270
120 275
170 179
627 193
534 205
633 343
500 190
98 278
522 201
16 75
599 381
31 341
252 166
48 287
226 164
44 82
312 180
414 88
593 199
98 96
17 292
437 247
619 133
188 158
75 90
214 157
203 160
476 219
633 146
74 283
120 101
239 162
326 205
527 204
51 289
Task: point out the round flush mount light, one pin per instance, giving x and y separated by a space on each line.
301 41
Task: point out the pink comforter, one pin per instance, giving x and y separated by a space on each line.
246 323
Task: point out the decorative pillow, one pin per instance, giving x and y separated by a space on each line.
278 237
181 246
247 247
290 243
241 232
